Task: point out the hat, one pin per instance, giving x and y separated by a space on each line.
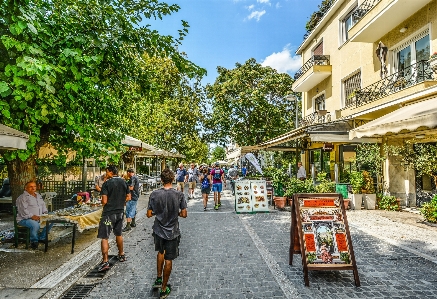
217 164
131 170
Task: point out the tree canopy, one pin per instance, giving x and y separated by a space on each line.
249 104
69 68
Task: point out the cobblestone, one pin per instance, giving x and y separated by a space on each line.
228 255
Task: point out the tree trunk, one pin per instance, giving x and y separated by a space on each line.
20 172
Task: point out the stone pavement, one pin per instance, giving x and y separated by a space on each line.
229 255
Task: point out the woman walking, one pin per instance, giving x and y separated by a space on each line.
206 180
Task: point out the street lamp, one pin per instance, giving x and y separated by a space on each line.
292 97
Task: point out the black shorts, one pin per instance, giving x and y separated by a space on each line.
109 223
170 248
206 190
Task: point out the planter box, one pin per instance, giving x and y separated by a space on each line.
369 201
356 200
280 201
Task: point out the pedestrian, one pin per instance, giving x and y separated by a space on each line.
206 183
181 177
30 206
115 193
131 206
233 175
243 171
167 204
193 179
301 172
98 182
217 179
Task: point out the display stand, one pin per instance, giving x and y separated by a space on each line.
251 196
320 234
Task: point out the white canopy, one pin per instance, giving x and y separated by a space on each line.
410 118
12 139
131 141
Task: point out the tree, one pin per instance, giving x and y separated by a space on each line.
218 153
67 69
249 105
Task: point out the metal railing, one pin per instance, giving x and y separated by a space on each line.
410 76
315 118
363 9
327 4
314 60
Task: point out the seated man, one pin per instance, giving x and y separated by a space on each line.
30 206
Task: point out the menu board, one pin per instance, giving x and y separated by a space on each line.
243 196
259 196
324 238
251 196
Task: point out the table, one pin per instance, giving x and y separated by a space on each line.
6 204
81 223
6 200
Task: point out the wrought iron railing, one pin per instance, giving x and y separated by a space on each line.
315 118
327 4
412 75
314 60
363 9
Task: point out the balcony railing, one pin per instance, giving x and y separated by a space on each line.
363 9
412 75
317 117
314 60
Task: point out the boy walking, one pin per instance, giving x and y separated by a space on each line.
167 204
217 178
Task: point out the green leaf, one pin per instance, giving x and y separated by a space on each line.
22 24
4 89
32 28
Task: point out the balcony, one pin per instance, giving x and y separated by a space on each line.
314 71
375 18
318 117
413 75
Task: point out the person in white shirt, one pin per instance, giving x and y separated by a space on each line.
30 206
301 172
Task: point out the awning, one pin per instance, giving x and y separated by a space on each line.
408 118
296 133
131 141
340 138
12 139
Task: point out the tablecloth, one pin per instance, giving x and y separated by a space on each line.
87 221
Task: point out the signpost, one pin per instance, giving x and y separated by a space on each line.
320 234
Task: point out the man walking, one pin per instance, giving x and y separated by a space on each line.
131 205
167 204
301 172
181 177
233 175
217 178
115 193
193 179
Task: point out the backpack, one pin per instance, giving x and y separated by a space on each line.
205 182
217 174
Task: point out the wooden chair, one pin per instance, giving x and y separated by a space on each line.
21 233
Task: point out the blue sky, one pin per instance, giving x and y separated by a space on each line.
224 32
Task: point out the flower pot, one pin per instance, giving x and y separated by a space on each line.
369 201
398 201
346 203
280 201
356 201
290 201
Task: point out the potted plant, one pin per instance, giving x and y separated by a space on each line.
327 186
369 191
433 61
279 179
295 186
357 182
429 210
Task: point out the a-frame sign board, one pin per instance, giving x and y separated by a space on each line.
320 234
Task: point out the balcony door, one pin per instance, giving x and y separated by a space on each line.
411 52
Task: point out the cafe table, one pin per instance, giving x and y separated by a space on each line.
80 220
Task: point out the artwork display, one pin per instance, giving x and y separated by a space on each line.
251 196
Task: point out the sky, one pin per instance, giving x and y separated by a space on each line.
226 32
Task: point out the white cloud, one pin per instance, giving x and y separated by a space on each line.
250 7
278 5
256 15
283 61
263 1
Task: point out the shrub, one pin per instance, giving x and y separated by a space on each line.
388 203
429 210
368 187
325 185
294 186
357 182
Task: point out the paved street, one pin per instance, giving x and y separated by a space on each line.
225 255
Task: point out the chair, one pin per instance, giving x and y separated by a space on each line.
48 199
269 189
21 233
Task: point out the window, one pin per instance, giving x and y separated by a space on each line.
319 49
319 102
346 23
411 52
350 85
